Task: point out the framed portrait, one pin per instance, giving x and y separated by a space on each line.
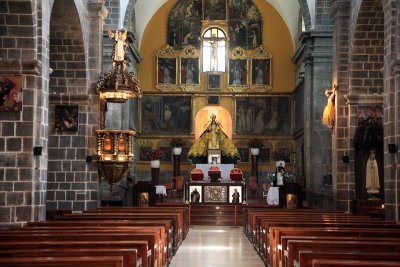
265 154
144 153
143 199
195 194
212 100
66 118
214 82
238 72
267 115
189 77
235 194
190 71
244 154
10 92
165 114
214 9
261 71
167 151
166 70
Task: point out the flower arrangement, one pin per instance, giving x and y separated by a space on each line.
156 154
177 142
281 154
255 143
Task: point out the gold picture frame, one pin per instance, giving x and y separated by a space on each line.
189 69
167 69
214 82
238 70
261 70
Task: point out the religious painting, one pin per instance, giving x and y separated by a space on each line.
10 92
184 24
144 153
189 70
165 114
143 200
269 115
265 154
167 153
235 194
166 70
365 112
261 71
245 24
214 9
212 100
214 82
244 154
196 194
66 118
238 71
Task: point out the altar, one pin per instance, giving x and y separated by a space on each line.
224 168
204 192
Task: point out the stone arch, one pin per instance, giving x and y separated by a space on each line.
68 94
366 86
305 12
130 17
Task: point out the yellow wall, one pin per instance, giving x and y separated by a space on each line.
276 39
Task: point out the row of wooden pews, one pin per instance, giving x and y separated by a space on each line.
308 237
112 236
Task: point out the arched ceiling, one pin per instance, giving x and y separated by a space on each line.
288 9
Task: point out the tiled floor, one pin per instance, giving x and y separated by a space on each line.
216 246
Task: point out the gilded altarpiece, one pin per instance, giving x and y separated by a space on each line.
189 63
167 69
238 74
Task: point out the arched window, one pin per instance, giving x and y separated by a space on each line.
214 50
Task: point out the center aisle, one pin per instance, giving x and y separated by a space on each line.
207 246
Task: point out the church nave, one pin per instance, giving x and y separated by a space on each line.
216 246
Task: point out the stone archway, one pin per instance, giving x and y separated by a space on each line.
366 88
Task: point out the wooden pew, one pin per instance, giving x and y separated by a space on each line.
306 257
294 246
105 235
59 224
130 256
182 208
363 263
279 242
97 261
141 246
175 217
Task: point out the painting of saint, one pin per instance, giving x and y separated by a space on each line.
238 72
166 71
10 93
263 115
189 71
66 118
165 114
261 74
214 10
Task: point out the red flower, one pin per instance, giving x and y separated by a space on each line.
156 154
